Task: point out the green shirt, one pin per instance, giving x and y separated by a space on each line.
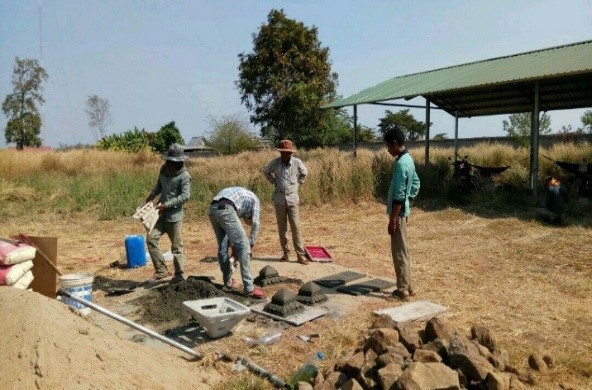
404 184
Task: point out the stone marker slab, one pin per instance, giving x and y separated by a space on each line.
365 288
414 311
297 319
339 279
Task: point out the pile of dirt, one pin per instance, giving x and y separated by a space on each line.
46 346
166 303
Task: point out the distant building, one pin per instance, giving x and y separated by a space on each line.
264 144
197 148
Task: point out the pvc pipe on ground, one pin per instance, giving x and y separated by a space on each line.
251 366
132 324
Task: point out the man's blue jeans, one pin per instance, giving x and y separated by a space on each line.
227 226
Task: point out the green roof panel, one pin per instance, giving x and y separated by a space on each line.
497 85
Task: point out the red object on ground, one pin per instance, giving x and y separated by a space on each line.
257 293
319 254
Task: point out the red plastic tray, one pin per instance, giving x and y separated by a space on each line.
318 253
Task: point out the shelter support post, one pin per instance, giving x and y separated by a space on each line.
455 136
534 143
355 130
427 134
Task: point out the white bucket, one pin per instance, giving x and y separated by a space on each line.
79 285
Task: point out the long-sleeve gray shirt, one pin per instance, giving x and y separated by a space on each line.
287 179
174 192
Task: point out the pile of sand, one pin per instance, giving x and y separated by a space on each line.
45 345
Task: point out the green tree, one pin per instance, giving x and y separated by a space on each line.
230 135
587 120
285 79
340 129
440 136
99 115
415 129
518 127
20 107
165 137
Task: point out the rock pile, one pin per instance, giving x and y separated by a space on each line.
435 357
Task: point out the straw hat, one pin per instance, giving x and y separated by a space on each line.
286 146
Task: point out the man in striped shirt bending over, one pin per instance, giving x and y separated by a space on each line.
228 207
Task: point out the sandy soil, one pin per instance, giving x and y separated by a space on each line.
529 282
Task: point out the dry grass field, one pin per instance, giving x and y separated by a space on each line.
528 282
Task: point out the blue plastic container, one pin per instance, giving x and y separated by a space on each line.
135 251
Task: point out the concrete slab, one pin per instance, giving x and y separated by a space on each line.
309 314
367 287
339 279
414 311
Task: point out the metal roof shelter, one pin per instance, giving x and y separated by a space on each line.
555 78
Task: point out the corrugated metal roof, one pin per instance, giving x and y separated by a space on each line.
498 85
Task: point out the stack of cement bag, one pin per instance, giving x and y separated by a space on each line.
16 262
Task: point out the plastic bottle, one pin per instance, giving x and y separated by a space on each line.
308 371
272 337
168 256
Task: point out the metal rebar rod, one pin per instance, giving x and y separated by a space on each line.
132 324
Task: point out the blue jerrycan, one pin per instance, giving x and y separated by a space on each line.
135 251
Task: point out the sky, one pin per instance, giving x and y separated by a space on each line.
162 61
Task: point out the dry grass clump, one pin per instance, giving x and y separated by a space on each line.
336 177
15 165
14 199
10 193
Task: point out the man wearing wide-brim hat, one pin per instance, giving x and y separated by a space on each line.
174 187
287 173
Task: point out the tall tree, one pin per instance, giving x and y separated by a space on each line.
587 120
20 107
415 129
99 115
165 137
285 79
230 135
518 127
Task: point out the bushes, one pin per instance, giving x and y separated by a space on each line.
129 141
134 141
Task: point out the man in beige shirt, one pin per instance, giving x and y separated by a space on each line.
287 173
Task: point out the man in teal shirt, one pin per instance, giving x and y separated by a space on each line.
404 187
